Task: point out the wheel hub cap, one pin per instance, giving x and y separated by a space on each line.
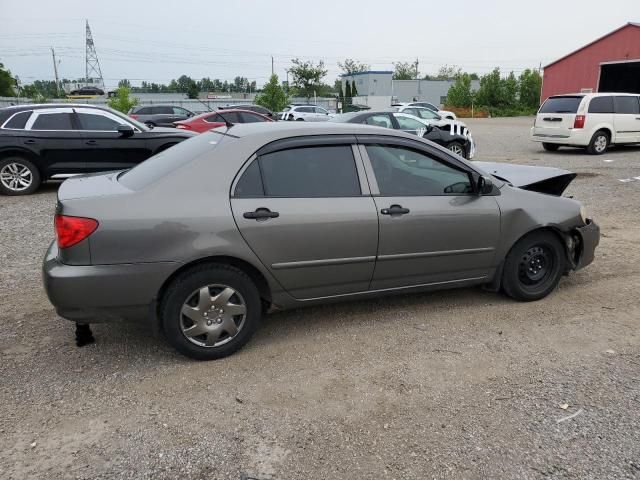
16 177
213 315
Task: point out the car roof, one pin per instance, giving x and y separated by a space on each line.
293 129
39 106
222 113
595 94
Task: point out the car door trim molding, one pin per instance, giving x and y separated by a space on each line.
439 253
322 263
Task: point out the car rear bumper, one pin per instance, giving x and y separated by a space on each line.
590 238
577 137
99 293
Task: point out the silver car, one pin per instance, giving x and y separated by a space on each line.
208 235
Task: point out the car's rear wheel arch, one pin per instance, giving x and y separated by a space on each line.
252 272
27 155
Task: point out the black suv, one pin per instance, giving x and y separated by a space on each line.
40 142
159 115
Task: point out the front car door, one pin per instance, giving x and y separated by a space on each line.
433 228
106 149
626 120
304 208
54 133
410 125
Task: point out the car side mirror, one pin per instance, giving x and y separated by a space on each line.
484 185
125 130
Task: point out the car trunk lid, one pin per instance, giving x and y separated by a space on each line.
557 116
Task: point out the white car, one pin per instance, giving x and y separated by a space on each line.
590 120
443 113
430 116
307 113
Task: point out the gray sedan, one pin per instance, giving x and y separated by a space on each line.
208 235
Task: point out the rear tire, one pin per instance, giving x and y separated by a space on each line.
150 124
533 267
299 119
599 143
550 147
18 176
210 311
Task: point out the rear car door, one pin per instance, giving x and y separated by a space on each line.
556 116
53 132
433 228
626 119
106 149
303 206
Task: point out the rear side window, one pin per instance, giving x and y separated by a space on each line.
601 105
19 120
53 121
628 105
561 105
251 118
322 171
163 110
250 184
232 117
214 119
143 111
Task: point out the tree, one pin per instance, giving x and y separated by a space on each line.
7 82
510 91
307 77
448 72
350 66
529 86
122 102
354 90
183 83
460 94
404 71
193 90
124 83
491 92
272 96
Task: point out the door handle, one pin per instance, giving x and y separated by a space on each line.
261 214
394 210
29 142
91 142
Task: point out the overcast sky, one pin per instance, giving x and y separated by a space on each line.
144 40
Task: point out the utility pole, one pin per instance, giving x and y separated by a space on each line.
55 71
272 65
416 68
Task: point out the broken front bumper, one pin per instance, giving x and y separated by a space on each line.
589 236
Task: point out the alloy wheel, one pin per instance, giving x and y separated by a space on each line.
457 149
16 177
213 315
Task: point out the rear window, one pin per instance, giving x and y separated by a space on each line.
601 105
561 105
19 120
168 161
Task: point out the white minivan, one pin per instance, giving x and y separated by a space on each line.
591 120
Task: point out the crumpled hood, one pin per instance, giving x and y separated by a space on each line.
549 180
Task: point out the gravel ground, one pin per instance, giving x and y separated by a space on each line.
460 384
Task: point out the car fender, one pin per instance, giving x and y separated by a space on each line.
602 126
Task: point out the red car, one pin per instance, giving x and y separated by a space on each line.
207 121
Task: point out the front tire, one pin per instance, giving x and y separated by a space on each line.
210 311
533 267
550 147
599 143
299 119
458 149
18 176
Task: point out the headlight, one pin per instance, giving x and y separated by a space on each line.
583 214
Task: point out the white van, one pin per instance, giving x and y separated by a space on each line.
591 120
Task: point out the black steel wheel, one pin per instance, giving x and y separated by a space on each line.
534 266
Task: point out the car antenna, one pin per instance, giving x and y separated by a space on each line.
226 122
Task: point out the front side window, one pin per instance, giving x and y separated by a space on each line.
407 123
163 110
251 118
180 111
427 114
321 110
628 105
215 118
322 171
53 121
90 121
601 105
379 121
232 117
401 172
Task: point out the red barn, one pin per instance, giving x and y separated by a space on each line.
608 64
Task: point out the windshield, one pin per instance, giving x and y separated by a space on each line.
561 105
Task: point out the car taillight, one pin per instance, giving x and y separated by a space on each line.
72 230
579 121
135 117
